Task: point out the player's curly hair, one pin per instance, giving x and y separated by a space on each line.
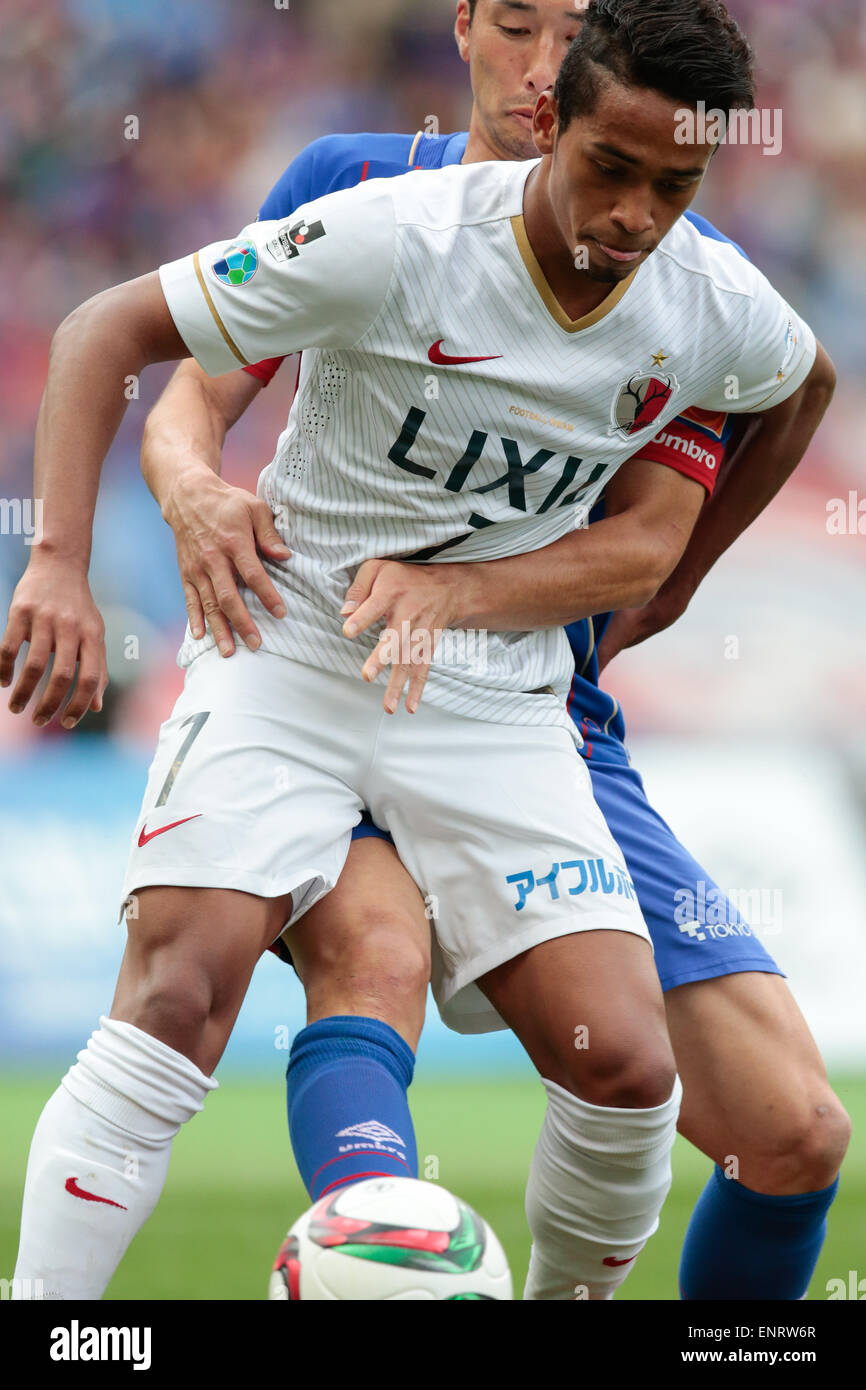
690 50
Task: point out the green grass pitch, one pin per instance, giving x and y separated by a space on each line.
233 1189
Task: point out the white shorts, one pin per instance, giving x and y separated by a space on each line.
265 766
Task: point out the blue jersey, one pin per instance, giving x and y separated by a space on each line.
341 161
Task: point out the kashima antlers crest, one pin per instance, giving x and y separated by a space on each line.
640 400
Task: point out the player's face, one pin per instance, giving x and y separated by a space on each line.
618 179
514 49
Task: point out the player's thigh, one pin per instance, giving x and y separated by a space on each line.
189 957
364 948
499 828
589 1011
696 931
755 1089
250 788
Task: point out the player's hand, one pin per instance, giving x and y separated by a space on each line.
220 532
416 602
53 610
630 626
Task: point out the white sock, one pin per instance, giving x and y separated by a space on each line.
99 1158
598 1180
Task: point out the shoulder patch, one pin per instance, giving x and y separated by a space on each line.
286 245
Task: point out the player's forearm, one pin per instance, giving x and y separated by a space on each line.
82 406
771 449
615 563
185 432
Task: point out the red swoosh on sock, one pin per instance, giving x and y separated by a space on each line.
75 1191
614 1262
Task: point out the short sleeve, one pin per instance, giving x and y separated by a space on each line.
295 187
778 355
318 278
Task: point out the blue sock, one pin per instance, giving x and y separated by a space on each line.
348 1113
745 1245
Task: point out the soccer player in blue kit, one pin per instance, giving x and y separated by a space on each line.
754 1084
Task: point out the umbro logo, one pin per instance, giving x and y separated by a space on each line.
371 1129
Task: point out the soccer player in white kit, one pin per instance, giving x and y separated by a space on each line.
264 767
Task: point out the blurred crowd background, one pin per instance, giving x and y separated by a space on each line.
224 95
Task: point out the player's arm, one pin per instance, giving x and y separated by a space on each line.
650 511
219 529
771 448
96 348
194 306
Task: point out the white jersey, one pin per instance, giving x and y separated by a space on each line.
448 409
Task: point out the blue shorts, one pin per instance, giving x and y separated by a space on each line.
697 933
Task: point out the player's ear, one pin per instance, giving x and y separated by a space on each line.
462 25
545 123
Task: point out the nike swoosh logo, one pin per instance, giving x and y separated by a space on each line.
441 359
144 836
75 1191
614 1262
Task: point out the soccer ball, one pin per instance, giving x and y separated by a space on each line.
390 1238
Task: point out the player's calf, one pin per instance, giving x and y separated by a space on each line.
101 1149
758 1102
363 955
99 1158
601 1169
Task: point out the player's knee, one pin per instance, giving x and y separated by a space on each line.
629 1078
825 1144
389 977
166 991
809 1149
383 955
378 948
176 1009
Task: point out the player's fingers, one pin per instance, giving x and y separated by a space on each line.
96 702
230 604
215 618
256 577
31 673
361 587
417 682
17 632
60 681
381 656
88 687
396 684
194 610
268 538
369 612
